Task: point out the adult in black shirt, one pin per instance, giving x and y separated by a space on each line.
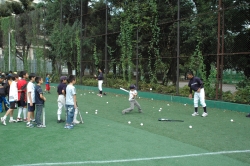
196 85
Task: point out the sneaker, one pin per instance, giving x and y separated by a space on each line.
41 126
68 126
19 119
24 120
33 120
76 122
30 125
204 114
195 114
12 121
3 121
248 115
123 112
60 121
140 111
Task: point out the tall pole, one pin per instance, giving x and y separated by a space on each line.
106 43
9 50
218 81
44 40
81 46
137 57
60 61
137 38
178 48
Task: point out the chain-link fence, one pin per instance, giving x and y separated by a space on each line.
128 38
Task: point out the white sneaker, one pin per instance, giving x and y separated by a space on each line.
19 119
76 122
204 114
195 114
3 121
12 121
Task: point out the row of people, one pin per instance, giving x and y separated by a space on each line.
23 94
29 97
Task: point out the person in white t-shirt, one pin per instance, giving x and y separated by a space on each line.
31 100
70 101
132 101
13 97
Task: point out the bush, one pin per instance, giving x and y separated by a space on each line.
184 91
243 95
227 96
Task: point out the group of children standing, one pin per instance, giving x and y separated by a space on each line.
22 95
29 97
67 99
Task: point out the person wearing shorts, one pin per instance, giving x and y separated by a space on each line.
13 96
31 100
22 96
47 83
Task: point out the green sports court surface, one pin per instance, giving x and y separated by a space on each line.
106 138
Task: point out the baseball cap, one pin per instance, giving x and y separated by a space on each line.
63 78
132 87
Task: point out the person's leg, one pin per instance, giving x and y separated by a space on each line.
3 119
39 109
202 101
1 107
75 121
70 115
100 87
25 113
31 109
132 104
61 104
6 103
138 106
12 107
20 110
196 99
32 115
48 88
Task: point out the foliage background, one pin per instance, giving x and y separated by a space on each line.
54 35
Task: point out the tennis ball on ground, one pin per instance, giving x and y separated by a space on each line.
95 112
232 120
107 102
190 127
86 112
129 122
185 104
150 89
168 105
141 124
159 110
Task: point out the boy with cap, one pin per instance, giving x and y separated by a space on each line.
132 101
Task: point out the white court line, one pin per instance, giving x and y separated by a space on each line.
138 159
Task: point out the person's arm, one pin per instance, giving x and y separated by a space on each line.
42 97
74 98
200 83
190 93
29 96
